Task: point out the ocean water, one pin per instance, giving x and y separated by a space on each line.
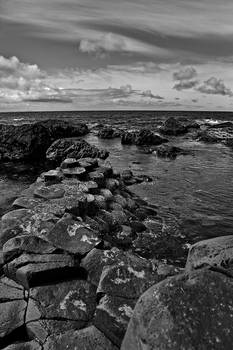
193 192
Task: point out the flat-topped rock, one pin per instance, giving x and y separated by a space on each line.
127 279
76 172
69 163
51 192
58 308
89 338
32 270
25 243
73 236
55 176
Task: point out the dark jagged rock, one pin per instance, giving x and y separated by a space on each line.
30 141
220 133
190 311
73 148
167 151
142 137
108 133
86 339
174 127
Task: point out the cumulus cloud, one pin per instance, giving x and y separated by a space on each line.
185 85
26 82
185 74
214 86
149 94
185 79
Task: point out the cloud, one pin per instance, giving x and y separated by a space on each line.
185 78
214 86
185 74
25 82
149 94
105 43
185 85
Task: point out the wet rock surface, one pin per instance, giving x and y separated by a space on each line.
30 141
109 133
79 249
141 137
73 148
174 126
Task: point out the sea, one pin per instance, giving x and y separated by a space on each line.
193 192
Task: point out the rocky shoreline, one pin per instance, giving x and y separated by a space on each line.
85 264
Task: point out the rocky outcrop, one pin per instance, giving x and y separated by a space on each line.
30 141
79 249
73 148
219 133
167 151
174 127
141 137
189 311
109 133
69 270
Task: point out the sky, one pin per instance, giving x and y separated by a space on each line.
113 55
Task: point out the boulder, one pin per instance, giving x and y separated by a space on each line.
142 137
213 252
174 127
219 133
128 137
30 141
190 311
96 259
167 151
73 148
108 133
